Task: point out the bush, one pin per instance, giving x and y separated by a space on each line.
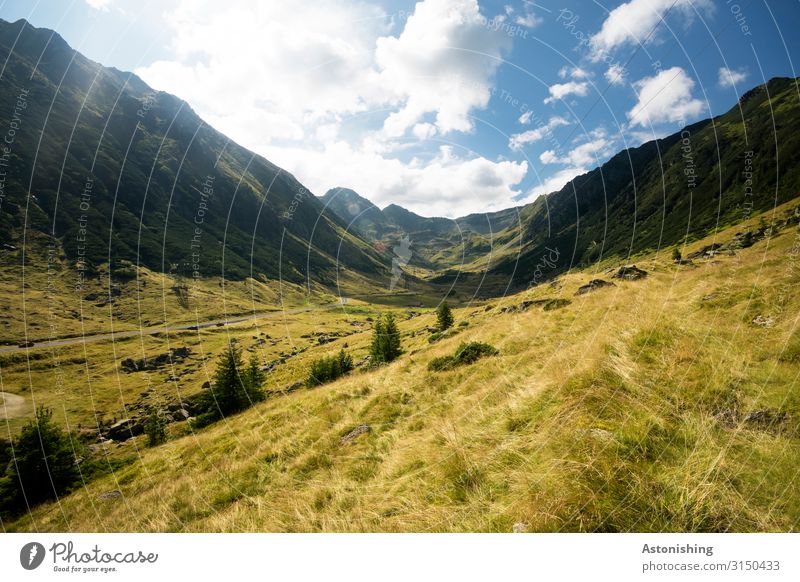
235 387
329 368
44 465
155 427
385 345
467 353
444 317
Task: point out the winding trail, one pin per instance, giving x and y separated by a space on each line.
154 330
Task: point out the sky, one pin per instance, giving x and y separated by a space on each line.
445 107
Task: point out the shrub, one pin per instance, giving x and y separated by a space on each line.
155 427
467 353
329 368
234 387
676 255
44 465
385 345
444 317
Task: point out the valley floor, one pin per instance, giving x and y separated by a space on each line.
668 403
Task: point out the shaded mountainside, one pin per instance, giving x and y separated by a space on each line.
712 174
437 242
140 177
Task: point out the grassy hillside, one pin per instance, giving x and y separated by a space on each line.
668 403
108 170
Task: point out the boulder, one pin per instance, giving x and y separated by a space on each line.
109 495
593 285
356 432
125 429
630 273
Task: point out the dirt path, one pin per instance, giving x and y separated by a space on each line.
154 330
12 406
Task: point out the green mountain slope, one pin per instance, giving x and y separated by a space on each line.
712 174
119 172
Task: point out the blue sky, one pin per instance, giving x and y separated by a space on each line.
443 106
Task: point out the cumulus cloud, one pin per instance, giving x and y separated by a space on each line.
615 74
635 21
573 73
588 154
543 130
554 182
445 185
665 97
730 77
561 90
427 67
292 85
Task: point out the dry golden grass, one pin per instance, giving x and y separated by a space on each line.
622 411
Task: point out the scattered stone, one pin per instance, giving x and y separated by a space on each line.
130 365
206 385
706 251
125 429
763 321
598 433
356 432
630 273
109 495
593 285
766 418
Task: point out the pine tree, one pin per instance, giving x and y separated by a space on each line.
228 393
391 344
385 341
44 464
254 381
676 255
444 317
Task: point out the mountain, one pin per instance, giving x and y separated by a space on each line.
122 174
438 243
712 174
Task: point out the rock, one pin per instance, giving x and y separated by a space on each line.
356 432
598 433
630 273
181 415
130 365
520 527
109 495
125 429
763 321
593 285
206 385
706 251
766 418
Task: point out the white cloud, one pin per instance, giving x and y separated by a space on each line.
554 182
573 73
561 90
665 97
635 22
445 185
99 4
615 74
327 97
525 118
518 140
589 154
530 20
425 67
730 77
